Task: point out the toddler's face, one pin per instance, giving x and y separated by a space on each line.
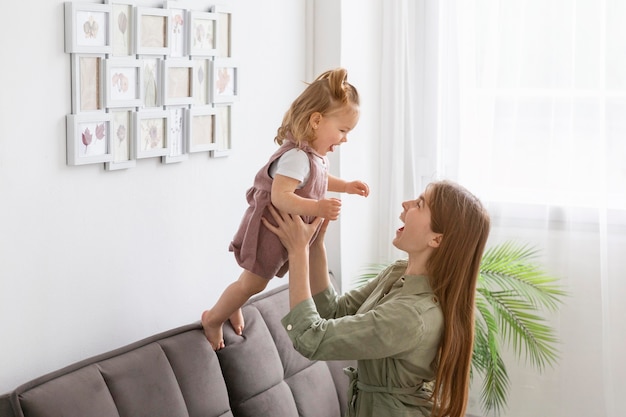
332 129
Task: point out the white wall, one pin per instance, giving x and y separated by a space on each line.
91 260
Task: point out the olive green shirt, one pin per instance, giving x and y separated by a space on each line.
392 326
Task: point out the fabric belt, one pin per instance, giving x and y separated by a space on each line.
422 395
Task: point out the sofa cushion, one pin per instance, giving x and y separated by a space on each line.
77 394
266 355
171 374
188 353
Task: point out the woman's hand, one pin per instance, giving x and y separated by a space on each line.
292 231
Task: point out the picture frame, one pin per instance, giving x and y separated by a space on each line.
151 133
202 33
178 28
223 131
224 36
177 136
122 27
122 140
151 75
86 73
88 28
201 81
88 138
201 123
177 81
224 86
123 82
152 35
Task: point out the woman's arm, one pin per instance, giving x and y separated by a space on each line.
295 236
318 263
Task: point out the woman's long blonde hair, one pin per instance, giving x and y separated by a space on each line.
328 93
453 269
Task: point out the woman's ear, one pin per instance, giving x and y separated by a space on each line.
435 241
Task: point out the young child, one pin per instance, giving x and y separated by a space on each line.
294 180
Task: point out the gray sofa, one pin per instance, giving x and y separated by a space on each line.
176 374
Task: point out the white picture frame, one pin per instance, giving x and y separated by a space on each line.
151 131
177 136
88 138
202 33
223 130
88 28
178 29
224 87
87 89
201 81
123 82
122 140
177 81
224 36
201 124
152 35
151 76
122 27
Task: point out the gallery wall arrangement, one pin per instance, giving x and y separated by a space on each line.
149 82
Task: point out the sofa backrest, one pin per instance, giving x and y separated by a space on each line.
176 373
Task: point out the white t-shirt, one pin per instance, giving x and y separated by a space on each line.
293 164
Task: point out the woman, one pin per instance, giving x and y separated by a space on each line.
411 329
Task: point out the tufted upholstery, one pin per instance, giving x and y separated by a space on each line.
176 374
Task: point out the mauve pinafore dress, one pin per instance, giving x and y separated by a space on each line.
257 249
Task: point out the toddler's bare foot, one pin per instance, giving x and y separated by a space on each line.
236 321
212 332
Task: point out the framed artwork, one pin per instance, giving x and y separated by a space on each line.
88 138
223 131
122 140
201 82
122 26
224 31
178 30
122 78
87 28
177 81
224 81
86 83
149 81
151 131
202 33
151 31
177 136
150 76
201 122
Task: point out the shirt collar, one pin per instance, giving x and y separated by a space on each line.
416 284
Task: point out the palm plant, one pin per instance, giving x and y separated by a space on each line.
511 290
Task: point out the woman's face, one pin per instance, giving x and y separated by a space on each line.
416 235
332 130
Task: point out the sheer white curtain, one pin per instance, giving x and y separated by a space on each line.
408 108
529 112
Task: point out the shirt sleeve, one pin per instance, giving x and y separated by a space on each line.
293 164
387 330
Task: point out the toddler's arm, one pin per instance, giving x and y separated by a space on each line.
285 199
339 185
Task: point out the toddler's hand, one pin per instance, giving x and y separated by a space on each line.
329 208
358 187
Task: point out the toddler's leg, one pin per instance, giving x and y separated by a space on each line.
229 306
